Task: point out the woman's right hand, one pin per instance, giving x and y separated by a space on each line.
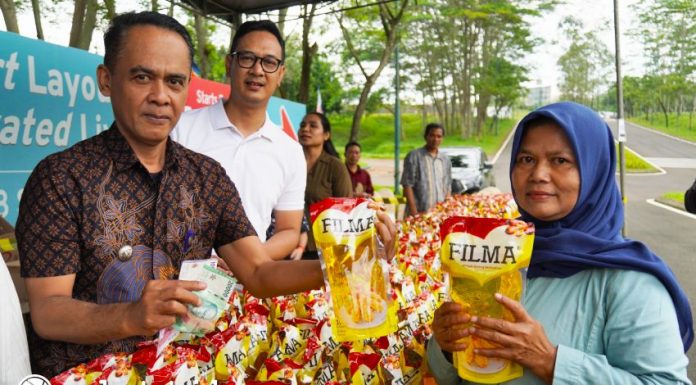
450 325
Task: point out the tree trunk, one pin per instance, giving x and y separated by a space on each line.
360 109
36 9
171 9
481 113
77 21
282 15
155 6
88 25
691 113
9 13
663 107
390 23
201 41
308 53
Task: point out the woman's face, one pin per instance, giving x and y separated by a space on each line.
546 178
312 132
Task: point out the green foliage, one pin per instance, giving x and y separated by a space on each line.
461 53
375 101
502 80
323 77
633 162
584 64
668 31
215 55
682 125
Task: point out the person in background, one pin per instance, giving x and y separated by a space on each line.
326 174
690 199
265 164
597 308
427 176
359 178
104 225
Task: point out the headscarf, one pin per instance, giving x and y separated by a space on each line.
589 236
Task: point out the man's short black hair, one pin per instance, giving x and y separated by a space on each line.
351 144
121 24
258 25
433 126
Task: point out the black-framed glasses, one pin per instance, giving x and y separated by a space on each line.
246 59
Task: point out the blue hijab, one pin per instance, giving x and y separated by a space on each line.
589 237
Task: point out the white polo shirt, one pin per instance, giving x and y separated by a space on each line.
267 167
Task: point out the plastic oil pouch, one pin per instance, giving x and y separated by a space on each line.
485 256
356 277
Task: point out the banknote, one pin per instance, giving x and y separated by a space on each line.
201 319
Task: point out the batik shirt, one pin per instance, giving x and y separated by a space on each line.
81 208
429 176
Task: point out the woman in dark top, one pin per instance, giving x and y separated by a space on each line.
326 174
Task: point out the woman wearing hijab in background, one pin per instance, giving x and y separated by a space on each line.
327 176
597 308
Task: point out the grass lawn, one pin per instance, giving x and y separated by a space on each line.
377 135
679 126
675 196
673 199
634 163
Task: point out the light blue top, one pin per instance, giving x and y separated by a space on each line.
611 327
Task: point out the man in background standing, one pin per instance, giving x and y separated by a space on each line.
265 164
362 183
427 176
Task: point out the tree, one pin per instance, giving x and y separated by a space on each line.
370 37
36 10
210 59
323 77
584 65
9 13
308 52
83 22
200 26
501 80
668 31
453 50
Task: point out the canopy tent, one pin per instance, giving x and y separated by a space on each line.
230 10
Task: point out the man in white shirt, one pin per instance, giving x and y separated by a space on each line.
265 164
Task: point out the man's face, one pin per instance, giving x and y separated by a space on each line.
253 86
352 155
434 139
148 84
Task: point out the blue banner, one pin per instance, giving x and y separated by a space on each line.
49 100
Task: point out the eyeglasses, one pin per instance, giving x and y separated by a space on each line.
245 59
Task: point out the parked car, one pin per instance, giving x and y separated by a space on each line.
471 170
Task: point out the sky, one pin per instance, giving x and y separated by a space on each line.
597 15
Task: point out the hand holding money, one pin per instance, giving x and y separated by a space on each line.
161 302
200 318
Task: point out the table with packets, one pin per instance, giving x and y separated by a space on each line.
290 339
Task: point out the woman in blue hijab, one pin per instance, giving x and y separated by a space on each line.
597 308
